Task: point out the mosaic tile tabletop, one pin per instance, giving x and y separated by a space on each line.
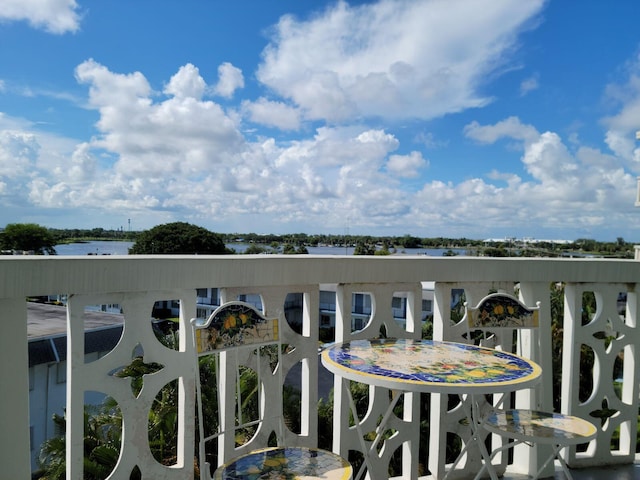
544 427
286 463
430 366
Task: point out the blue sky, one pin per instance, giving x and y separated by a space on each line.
454 118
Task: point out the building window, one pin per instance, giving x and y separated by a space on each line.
361 303
358 323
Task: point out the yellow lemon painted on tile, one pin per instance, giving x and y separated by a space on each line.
274 462
230 321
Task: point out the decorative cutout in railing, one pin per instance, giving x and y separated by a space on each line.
136 370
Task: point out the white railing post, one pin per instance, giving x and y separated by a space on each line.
139 340
14 378
608 336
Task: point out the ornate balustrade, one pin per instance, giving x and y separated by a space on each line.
608 338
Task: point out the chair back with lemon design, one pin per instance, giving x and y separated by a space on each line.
237 346
234 324
500 310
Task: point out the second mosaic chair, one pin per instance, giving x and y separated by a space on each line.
495 320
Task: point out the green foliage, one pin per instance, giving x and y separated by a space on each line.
325 423
495 252
291 249
87 234
408 241
384 250
254 249
364 249
178 238
427 328
102 439
28 237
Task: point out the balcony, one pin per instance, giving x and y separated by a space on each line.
136 283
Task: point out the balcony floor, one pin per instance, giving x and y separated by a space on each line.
617 472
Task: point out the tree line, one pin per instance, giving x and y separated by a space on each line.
185 238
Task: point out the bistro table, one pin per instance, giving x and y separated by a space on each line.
426 366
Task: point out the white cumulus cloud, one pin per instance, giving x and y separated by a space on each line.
393 58
186 83
407 166
230 79
272 114
622 126
54 16
178 134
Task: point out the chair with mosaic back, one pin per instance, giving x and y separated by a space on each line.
499 320
243 345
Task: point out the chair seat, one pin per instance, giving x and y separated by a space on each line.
540 427
294 463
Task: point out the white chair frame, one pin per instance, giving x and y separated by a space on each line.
236 332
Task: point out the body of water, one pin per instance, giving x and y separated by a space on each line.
94 248
122 248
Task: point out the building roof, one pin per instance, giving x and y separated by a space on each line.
47 332
45 320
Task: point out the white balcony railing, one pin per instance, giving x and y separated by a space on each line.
136 283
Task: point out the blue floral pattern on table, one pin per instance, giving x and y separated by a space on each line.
431 362
286 463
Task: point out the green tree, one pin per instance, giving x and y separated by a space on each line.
384 250
289 249
408 241
28 237
495 252
254 249
364 249
179 238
